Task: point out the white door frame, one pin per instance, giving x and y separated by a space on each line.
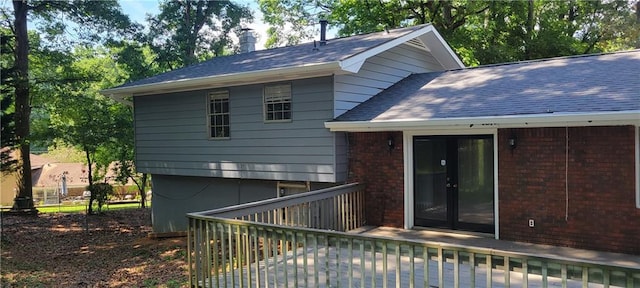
408 168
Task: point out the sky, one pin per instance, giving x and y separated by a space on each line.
138 9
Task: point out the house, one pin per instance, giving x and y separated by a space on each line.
537 151
9 179
48 177
250 126
540 151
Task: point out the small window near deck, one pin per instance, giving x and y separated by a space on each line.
277 103
219 114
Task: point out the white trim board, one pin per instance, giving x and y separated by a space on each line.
612 118
637 136
408 170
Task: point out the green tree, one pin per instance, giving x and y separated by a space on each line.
137 61
188 31
7 135
80 116
135 58
290 21
481 32
104 17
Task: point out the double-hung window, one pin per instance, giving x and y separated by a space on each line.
219 114
277 103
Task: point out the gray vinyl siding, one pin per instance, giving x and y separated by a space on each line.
175 196
172 136
342 156
380 72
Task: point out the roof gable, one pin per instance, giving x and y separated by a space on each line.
591 84
341 55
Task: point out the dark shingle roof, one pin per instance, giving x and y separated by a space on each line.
291 56
582 84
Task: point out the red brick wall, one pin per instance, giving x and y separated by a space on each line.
382 171
601 188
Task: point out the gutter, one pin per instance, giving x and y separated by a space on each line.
631 117
241 78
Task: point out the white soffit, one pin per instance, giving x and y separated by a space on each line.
426 35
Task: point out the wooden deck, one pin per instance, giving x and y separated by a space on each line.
338 272
259 245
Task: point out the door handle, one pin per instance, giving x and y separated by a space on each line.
448 185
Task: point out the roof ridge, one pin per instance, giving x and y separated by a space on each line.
546 59
416 27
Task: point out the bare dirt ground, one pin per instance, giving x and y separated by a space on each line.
56 250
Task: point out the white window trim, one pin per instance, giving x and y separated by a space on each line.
217 94
264 102
637 136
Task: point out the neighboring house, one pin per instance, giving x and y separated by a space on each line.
250 126
9 180
47 181
539 151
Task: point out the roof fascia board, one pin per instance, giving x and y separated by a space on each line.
513 121
352 61
279 74
352 67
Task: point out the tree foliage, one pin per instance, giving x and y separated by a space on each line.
290 21
481 32
188 31
80 116
101 193
7 108
94 20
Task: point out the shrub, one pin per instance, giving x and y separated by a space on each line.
101 192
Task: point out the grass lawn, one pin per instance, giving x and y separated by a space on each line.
78 208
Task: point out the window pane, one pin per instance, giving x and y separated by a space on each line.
277 102
219 114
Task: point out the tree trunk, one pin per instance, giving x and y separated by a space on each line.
530 29
24 197
90 178
143 194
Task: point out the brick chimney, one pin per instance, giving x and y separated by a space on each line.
247 41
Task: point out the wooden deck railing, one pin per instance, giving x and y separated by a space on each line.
265 244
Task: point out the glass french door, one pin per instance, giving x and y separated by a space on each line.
454 182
